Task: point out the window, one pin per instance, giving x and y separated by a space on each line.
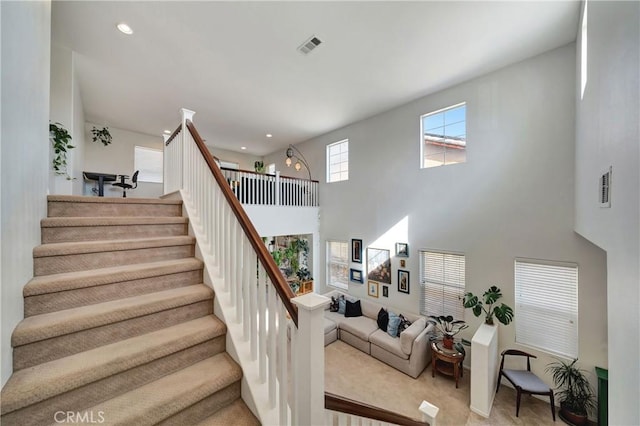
224 164
442 282
444 136
338 264
149 162
271 169
547 306
338 161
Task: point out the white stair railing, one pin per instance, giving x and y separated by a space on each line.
282 357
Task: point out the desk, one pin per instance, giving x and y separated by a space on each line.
101 178
446 361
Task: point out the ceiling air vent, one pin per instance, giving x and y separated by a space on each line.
605 189
309 45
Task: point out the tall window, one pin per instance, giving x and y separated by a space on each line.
444 136
149 162
338 264
338 161
547 306
442 278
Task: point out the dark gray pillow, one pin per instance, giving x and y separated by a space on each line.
353 309
383 319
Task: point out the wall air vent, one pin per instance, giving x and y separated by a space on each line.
605 189
309 45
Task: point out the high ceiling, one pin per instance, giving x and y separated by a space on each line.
236 63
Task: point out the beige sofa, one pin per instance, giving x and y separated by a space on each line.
408 353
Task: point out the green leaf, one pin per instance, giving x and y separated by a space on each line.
503 313
477 310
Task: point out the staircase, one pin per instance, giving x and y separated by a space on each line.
118 326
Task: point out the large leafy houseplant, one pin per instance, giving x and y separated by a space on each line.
575 395
101 135
448 327
61 141
503 313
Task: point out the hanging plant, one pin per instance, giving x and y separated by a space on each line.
61 141
101 135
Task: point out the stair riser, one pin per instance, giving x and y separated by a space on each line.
109 387
111 232
72 209
47 350
205 408
45 303
85 261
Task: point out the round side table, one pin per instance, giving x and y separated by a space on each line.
446 361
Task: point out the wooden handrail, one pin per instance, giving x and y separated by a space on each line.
173 135
277 279
349 406
264 174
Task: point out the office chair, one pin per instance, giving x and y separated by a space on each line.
525 381
125 186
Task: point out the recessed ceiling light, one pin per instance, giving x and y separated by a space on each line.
243 147
167 132
124 28
269 135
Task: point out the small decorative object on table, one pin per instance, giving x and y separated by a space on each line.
448 327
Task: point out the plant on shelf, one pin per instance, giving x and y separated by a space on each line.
259 166
448 328
61 141
575 395
303 274
101 135
503 313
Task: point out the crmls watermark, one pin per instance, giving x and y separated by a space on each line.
79 417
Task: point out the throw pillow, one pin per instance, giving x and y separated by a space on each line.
383 319
394 322
334 306
404 324
342 305
353 309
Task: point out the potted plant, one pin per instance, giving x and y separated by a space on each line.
101 135
259 166
503 313
61 141
575 394
448 327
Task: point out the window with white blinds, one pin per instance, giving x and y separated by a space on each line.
547 306
442 278
338 264
149 163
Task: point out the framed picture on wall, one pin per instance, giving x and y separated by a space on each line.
403 281
373 289
355 275
379 265
402 263
356 251
402 250
385 291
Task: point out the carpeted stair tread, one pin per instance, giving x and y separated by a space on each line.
84 247
171 394
236 414
45 284
55 222
46 326
31 385
110 200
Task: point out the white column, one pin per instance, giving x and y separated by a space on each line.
310 358
484 369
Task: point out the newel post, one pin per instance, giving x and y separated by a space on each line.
310 358
186 114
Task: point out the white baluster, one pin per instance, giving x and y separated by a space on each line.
262 326
282 361
277 189
273 333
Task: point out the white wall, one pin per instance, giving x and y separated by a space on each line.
118 158
607 134
244 160
66 108
24 153
513 197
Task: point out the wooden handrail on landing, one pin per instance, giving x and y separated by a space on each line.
270 267
349 406
265 174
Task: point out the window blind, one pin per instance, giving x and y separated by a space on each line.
547 306
149 162
442 278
